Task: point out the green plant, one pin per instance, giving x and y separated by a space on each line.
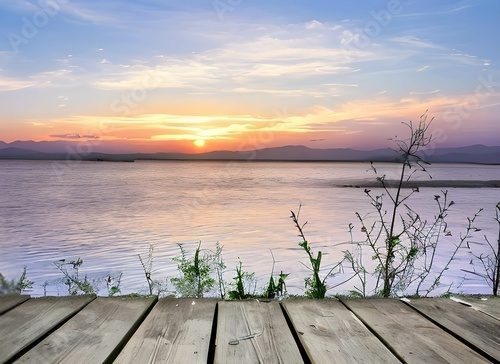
394 255
15 286
275 287
45 284
402 244
154 285
72 279
242 279
356 263
147 267
489 263
220 268
315 285
113 283
409 149
195 279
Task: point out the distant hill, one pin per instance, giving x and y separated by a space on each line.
286 153
61 150
64 146
15 152
470 154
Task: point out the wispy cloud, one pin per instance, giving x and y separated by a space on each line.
288 92
73 136
19 5
10 84
450 10
51 78
424 92
83 12
373 119
293 55
465 58
71 8
227 126
413 41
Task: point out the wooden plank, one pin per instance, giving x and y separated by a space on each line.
9 301
175 331
95 334
22 326
488 305
475 328
414 338
273 344
330 333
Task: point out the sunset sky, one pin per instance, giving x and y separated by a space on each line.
180 75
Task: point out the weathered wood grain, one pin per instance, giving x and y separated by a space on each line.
414 338
330 333
9 301
22 326
70 329
488 305
476 328
275 344
94 335
175 331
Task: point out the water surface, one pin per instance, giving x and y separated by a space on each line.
107 213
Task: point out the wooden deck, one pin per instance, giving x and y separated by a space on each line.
86 329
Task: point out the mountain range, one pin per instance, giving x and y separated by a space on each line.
62 150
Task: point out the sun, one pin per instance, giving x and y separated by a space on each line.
200 143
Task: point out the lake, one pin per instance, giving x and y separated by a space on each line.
108 213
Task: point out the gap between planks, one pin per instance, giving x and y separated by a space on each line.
447 323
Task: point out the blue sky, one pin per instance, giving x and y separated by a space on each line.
234 73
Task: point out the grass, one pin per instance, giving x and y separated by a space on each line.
195 274
16 286
315 285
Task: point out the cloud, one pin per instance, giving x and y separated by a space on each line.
11 84
451 10
341 84
19 5
73 136
412 41
51 78
313 24
72 8
82 12
171 74
312 92
294 54
372 119
41 79
424 92
423 68
465 58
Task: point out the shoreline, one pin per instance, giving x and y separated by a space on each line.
235 160
418 184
